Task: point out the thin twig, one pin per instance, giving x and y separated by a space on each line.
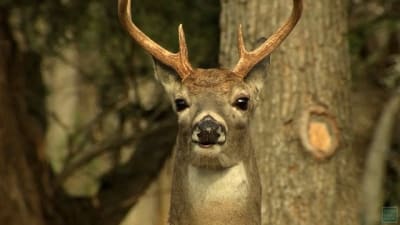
102 148
91 154
84 132
376 162
58 121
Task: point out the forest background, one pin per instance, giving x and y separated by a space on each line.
93 111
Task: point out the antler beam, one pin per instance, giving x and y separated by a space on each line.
178 61
248 59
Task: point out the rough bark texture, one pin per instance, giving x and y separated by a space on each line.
28 189
23 181
310 69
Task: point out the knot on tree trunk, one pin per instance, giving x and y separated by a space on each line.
318 131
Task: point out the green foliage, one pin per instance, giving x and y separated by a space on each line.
49 25
375 49
107 53
374 42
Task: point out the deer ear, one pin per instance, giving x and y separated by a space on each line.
258 75
166 76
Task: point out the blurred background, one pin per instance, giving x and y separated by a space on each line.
103 123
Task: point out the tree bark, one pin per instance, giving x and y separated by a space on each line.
28 190
23 183
309 75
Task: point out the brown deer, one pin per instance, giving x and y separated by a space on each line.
215 178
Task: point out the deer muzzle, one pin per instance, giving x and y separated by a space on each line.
208 132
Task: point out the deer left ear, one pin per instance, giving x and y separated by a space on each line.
258 75
166 76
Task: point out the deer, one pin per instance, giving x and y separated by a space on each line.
215 178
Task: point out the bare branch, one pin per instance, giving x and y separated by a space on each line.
92 153
59 121
112 144
124 185
376 162
84 131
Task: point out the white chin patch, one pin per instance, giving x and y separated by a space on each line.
212 157
206 150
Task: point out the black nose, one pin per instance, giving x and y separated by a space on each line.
209 131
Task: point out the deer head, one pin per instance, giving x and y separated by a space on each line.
214 106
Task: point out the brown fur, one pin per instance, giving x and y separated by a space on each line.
228 189
219 187
187 209
220 80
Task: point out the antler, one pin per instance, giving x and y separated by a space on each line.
178 61
249 59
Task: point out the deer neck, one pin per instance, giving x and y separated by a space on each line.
215 196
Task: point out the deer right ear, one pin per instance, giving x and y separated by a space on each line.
258 75
166 76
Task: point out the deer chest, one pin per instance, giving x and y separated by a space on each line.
218 195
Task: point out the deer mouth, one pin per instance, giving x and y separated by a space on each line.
208 140
206 146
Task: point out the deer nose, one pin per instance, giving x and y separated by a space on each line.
208 132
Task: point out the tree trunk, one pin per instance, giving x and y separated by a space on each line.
29 193
308 80
23 180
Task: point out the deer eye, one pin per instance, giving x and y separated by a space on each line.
242 103
181 104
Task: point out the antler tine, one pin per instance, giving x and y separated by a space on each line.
241 45
178 61
184 54
249 59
